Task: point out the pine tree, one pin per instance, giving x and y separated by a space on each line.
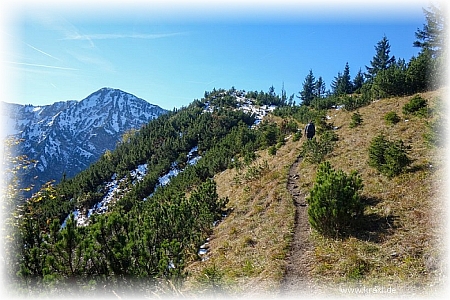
342 84
392 81
346 81
320 88
388 157
382 60
334 201
419 75
271 91
432 37
358 81
307 94
283 95
336 84
65 256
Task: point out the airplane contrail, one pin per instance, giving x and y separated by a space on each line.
43 52
108 36
34 48
41 66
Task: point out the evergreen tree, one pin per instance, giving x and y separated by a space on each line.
432 37
433 40
392 81
335 84
272 91
283 95
308 93
419 75
346 81
342 84
388 157
358 81
64 247
382 60
320 88
334 201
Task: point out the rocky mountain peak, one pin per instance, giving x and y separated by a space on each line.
66 137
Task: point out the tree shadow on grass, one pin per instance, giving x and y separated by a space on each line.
373 227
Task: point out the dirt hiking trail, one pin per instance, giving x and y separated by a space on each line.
296 279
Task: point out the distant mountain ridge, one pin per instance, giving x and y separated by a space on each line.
66 137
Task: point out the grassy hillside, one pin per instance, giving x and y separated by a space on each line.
248 248
400 245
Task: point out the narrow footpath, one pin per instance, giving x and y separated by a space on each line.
296 279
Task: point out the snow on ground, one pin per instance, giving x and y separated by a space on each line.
165 179
247 105
193 158
114 188
138 174
113 191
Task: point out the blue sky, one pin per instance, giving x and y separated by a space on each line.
170 56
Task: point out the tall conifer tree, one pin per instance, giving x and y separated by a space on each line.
358 81
432 36
308 92
320 87
382 60
342 84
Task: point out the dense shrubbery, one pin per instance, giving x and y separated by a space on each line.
300 113
435 134
150 234
354 102
334 201
146 233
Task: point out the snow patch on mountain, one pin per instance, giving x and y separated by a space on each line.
246 105
116 188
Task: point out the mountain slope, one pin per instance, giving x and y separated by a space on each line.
66 137
399 247
148 212
143 209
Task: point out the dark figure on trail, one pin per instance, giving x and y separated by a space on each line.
310 130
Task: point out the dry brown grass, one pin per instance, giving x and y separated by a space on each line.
402 243
248 248
399 246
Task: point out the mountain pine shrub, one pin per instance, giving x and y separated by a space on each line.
391 118
435 133
272 150
354 102
334 201
315 150
356 120
416 106
388 157
297 136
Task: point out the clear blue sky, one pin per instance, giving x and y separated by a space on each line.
169 55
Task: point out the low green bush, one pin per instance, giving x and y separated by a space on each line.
391 118
416 106
315 150
389 157
334 202
356 120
